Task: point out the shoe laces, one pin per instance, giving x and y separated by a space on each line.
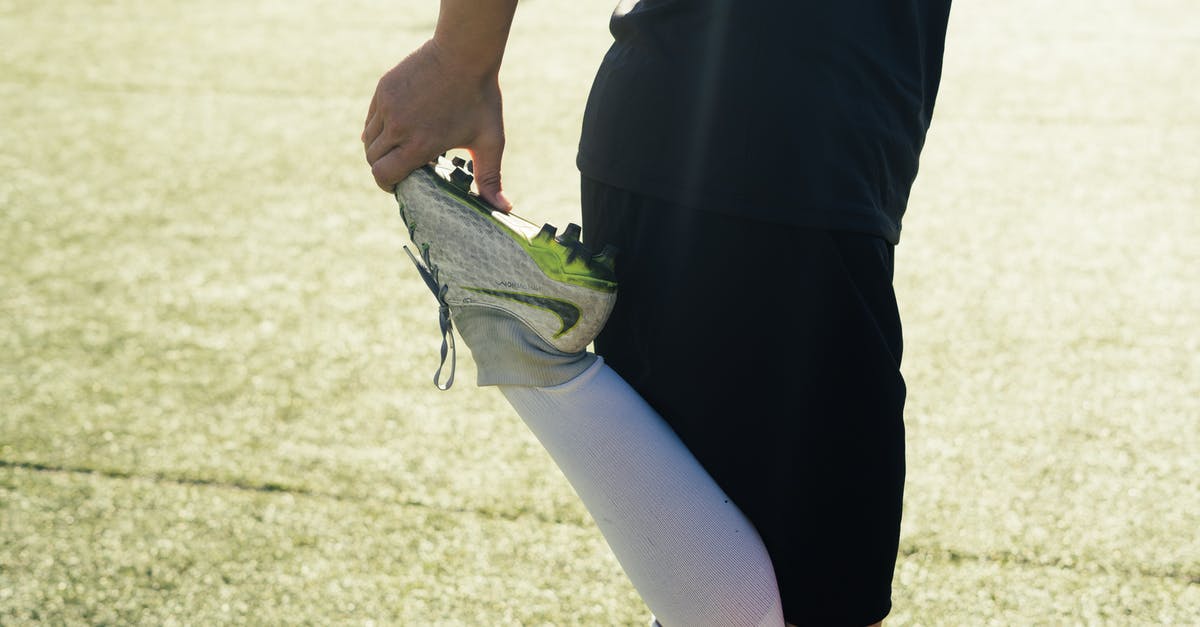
429 273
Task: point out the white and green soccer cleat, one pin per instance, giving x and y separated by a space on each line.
478 257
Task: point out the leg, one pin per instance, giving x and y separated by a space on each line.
688 550
773 352
527 303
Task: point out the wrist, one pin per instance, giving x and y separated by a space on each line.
471 35
463 62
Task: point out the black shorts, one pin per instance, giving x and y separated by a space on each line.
774 353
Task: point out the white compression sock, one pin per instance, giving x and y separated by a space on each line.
691 553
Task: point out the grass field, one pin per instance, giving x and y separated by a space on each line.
215 360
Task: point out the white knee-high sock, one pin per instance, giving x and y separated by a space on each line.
691 553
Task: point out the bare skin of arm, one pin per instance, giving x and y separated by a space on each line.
445 94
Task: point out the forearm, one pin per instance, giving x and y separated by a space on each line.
474 32
446 94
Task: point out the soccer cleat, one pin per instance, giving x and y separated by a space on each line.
476 256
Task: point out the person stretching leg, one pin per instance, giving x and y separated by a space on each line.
527 303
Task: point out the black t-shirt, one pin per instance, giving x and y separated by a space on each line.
804 112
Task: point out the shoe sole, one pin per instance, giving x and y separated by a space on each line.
565 292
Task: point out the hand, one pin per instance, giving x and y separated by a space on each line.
429 103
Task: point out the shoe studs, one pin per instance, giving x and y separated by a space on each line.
460 178
571 235
576 256
546 234
459 162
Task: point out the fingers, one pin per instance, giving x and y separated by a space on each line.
393 156
367 122
381 144
487 174
388 171
397 164
372 128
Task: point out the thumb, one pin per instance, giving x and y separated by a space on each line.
487 175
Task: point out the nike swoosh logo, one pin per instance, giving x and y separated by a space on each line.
566 311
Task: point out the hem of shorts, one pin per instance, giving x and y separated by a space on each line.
847 218
877 616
